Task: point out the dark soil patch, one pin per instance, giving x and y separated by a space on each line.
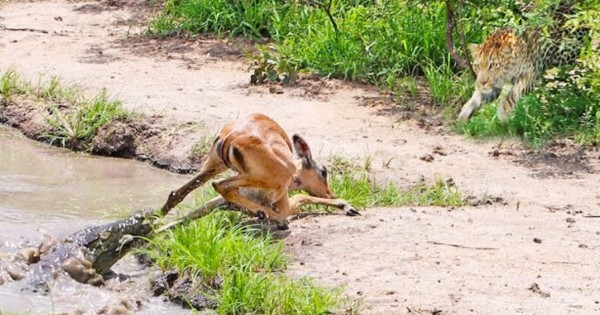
561 158
96 55
308 86
141 7
191 50
417 106
25 115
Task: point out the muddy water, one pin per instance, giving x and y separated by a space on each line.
53 191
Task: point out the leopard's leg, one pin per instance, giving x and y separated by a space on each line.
521 86
501 111
470 106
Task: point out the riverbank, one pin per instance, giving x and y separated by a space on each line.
394 258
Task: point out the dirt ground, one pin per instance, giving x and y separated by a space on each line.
533 254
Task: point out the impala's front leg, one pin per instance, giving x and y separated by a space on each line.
298 201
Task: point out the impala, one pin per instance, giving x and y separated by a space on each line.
267 165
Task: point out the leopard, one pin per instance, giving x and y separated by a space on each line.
509 57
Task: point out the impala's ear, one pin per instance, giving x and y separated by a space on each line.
301 149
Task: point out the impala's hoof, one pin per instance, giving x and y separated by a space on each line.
282 225
351 211
261 215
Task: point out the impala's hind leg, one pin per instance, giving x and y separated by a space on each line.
229 189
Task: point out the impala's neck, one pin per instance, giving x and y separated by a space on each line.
296 182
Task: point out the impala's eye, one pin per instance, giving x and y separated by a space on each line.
324 172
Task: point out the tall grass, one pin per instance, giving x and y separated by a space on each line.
220 17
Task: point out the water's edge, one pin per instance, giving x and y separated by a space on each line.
50 191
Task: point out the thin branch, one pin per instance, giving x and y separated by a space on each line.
450 24
327 9
461 246
463 40
19 29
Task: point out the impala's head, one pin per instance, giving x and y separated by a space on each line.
312 175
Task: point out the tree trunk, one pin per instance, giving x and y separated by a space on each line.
450 25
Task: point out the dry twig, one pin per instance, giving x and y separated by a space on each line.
22 29
461 246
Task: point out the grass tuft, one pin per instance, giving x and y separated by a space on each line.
242 268
76 126
74 119
10 83
351 181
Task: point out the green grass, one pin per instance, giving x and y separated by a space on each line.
384 43
77 126
73 118
352 181
9 84
363 191
375 43
556 109
242 268
219 17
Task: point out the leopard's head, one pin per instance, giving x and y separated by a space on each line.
495 62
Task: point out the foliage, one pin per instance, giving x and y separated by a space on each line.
238 17
240 268
269 66
374 43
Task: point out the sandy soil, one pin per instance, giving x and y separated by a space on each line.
386 257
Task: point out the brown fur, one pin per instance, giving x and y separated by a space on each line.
266 160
